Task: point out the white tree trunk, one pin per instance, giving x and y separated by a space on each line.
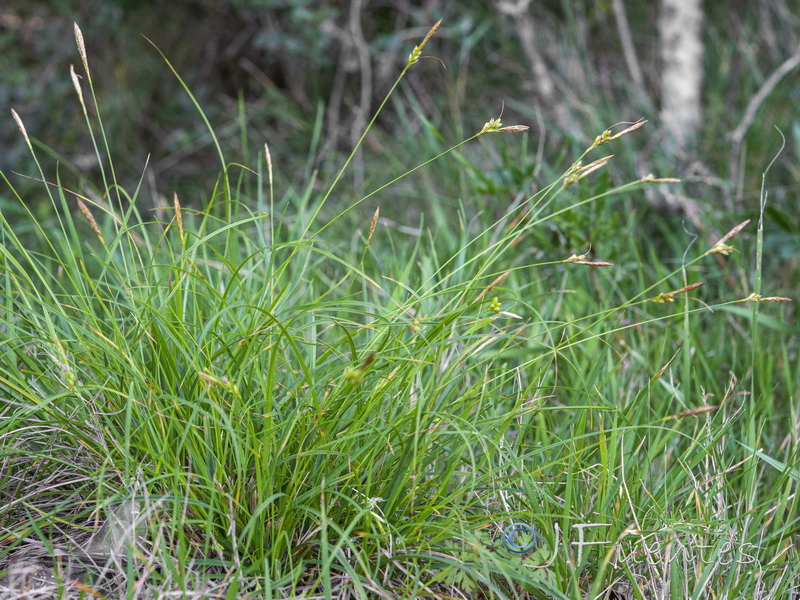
681 38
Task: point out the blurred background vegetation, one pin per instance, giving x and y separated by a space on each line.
306 75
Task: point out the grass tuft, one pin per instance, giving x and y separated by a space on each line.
267 401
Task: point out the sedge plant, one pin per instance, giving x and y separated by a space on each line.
281 414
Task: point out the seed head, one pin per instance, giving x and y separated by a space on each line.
417 51
608 135
353 376
650 178
580 259
372 225
665 297
492 285
578 171
21 128
268 156
76 84
82 50
759 298
496 126
178 216
92 223
721 247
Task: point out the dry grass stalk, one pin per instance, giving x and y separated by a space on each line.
737 135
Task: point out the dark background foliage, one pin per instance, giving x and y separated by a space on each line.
268 70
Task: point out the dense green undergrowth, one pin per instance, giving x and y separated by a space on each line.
295 403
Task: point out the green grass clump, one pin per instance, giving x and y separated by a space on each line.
291 403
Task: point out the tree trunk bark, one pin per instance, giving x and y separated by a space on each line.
681 41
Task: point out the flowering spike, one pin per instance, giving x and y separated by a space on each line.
491 126
512 129
268 156
92 223
650 178
417 51
82 50
21 128
759 298
578 171
665 297
734 231
720 248
372 225
608 135
76 84
492 285
580 259
178 216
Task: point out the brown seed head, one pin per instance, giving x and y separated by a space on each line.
665 297
92 223
733 232
608 135
492 285
373 223
178 216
